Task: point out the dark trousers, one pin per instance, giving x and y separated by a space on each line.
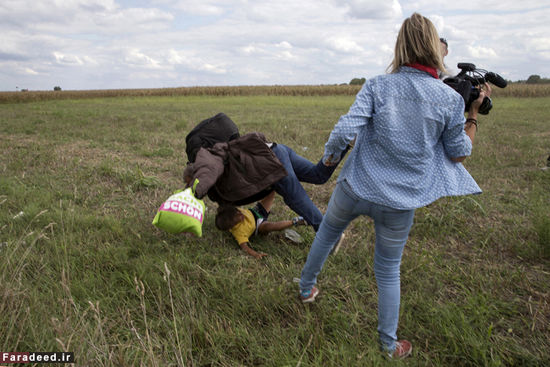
293 193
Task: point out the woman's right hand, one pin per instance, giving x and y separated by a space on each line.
485 91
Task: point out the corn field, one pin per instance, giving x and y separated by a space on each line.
512 90
276 90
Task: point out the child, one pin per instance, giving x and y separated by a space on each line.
244 223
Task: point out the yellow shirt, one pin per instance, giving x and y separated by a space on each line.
243 230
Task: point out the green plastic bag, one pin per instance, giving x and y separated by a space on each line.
181 212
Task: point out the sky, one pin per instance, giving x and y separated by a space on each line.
119 44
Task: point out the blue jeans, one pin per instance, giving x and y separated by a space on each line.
300 169
392 229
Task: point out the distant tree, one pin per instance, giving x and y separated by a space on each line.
57 88
357 81
533 79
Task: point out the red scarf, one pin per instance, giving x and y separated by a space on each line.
427 69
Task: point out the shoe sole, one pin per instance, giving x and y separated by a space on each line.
405 355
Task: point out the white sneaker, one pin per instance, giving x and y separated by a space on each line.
293 235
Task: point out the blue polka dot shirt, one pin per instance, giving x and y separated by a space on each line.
407 127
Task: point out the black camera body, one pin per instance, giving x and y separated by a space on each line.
468 81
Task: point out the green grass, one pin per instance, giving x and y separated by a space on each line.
83 269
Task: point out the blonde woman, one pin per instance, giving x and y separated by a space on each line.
411 136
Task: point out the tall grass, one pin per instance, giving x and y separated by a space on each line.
273 90
512 90
83 269
523 90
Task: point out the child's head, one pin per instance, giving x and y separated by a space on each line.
188 174
227 217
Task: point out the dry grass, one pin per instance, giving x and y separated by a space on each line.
274 90
85 271
512 90
523 90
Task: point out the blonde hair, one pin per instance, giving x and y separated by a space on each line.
417 42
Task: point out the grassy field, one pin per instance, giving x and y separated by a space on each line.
83 269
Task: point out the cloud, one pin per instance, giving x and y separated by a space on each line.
280 51
478 52
134 57
132 20
372 9
103 17
82 44
472 6
203 7
212 69
67 59
190 62
541 45
30 71
344 44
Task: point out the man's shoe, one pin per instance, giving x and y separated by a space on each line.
299 221
309 296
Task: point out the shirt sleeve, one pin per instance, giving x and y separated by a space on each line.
350 124
455 141
207 168
240 235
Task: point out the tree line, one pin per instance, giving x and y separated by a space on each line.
536 79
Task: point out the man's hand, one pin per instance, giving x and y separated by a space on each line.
259 255
329 162
249 251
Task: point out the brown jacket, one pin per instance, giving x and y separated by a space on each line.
239 171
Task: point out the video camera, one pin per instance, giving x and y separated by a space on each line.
468 82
